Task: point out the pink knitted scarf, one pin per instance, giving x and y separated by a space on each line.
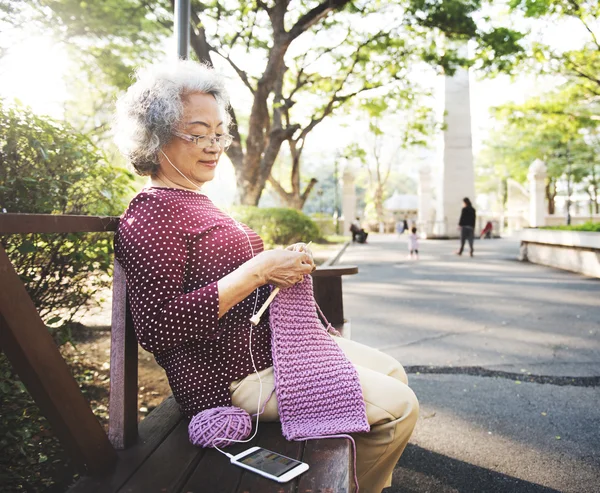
318 390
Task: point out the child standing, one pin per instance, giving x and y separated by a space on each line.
413 244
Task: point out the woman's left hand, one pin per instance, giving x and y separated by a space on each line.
304 248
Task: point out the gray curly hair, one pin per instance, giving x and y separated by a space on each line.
151 108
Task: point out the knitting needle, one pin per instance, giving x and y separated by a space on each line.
256 317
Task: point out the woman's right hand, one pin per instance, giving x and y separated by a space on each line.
283 268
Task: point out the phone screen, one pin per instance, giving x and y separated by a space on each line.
269 462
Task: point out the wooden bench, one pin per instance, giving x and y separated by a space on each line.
155 456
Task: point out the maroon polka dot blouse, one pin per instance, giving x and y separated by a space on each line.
175 245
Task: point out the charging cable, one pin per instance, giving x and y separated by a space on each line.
258 409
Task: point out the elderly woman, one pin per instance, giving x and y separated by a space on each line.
195 276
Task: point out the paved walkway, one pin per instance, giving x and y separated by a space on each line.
489 343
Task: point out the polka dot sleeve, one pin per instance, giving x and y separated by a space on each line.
153 251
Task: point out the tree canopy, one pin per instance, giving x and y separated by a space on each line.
300 62
555 128
580 65
560 128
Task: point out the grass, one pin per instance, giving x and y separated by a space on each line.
333 239
588 226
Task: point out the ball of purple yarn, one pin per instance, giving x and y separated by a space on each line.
218 426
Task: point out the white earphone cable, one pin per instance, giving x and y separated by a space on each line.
258 409
177 169
260 388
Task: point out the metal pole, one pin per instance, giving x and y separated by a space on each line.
182 27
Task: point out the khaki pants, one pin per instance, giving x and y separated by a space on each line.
392 410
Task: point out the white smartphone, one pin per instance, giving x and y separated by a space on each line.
270 464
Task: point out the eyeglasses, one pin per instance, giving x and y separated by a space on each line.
204 141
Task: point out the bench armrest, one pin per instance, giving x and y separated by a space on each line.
327 286
335 271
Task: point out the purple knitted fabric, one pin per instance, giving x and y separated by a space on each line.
318 390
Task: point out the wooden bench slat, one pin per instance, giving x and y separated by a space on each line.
123 367
271 439
152 432
338 476
168 467
327 287
215 473
335 271
328 295
12 223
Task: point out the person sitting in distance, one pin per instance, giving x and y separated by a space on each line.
358 233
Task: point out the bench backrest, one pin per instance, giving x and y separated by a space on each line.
35 357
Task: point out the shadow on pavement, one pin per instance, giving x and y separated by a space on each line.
421 470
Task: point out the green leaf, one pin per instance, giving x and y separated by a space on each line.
26 247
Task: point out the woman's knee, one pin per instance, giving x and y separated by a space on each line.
398 371
412 413
368 357
387 399
406 407
392 366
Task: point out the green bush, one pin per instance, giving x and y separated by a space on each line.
29 450
587 226
47 167
278 226
31 457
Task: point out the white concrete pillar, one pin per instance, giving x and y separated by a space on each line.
426 205
537 193
348 200
458 174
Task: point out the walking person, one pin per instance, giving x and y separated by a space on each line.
413 244
467 226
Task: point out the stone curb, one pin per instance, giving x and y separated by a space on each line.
336 256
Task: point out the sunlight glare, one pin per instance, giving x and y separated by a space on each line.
33 72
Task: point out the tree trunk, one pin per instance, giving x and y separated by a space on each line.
253 167
294 203
378 200
592 191
266 130
263 142
248 192
550 194
594 198
293 200
504 191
